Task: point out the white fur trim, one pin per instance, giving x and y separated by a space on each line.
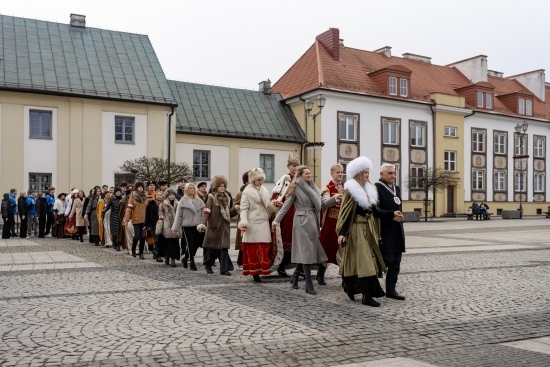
359 194
280 252
358 165
255 173
283 182
201 228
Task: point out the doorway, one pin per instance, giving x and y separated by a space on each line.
450 199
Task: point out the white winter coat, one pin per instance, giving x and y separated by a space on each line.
188 213
255 215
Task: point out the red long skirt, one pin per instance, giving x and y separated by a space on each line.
256 258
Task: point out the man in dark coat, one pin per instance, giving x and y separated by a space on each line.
391 230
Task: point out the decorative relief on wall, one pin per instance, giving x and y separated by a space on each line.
391 154
500 196
478 196
539 165
479 160
418 195
519 166
524 197
348 151
418 156
500 162
538 197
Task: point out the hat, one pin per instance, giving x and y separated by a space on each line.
169 191
255 173
74 190
63 193
138 184
201 184
152 182
163 183
217 181
117 189
293 160
245 177
358 165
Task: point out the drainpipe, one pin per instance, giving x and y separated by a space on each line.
304 154
170 141
433 157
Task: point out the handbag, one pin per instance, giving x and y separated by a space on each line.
149 238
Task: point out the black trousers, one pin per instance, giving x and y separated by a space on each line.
6 229
139 235
223 254
286 260
23 228
393 262
190 241
41 226
49 221
11 217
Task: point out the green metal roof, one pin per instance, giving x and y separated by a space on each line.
46 57
240 113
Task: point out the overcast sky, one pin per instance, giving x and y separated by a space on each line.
238 43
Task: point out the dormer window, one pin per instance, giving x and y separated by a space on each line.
393 86
525 107
404 87
484 100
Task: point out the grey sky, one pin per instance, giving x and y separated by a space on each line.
238 43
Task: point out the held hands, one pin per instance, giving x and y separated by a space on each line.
398 216
338 197
243 229
174 232
277 203
201 228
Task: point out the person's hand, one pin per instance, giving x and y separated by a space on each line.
70 217
398 216
201 228
338 197
123 222
341 240
243 229
274 225
174 232
23 217
86 217
278 203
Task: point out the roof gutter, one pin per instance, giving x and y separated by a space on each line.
172 107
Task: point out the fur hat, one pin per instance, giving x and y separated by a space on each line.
138 184
217 181
293 160
358 165
117 189
255 173
169 191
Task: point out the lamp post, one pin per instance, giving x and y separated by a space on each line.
521 130
308 105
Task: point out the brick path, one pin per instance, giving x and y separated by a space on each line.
470 287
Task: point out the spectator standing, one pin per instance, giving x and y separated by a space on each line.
166 219
114 206
50 201
13 211
91 215
239 235
59 208
42 213
135 212
32 221
23 210
181 188
6 229
151 219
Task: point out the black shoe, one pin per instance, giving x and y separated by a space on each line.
81 239
350 291
141 257
208 269
321 275
184 261
160 259
118 248
173 263
370 302
192 266
395 295
294 280
257 279
133 253
225 273
282 273
167 261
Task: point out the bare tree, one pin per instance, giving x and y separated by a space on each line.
156 169
434 180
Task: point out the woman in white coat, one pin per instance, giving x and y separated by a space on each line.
256 208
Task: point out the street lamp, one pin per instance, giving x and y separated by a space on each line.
308 105
521 130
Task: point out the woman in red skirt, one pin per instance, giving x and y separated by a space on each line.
256 208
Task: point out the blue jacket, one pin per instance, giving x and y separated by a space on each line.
31 202
13 203
50 200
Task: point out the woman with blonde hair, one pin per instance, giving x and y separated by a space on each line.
306 248
188 216
359 232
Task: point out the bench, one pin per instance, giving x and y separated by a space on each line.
479 216
412 216
510 214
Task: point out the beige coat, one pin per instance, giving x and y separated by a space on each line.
256 208
167 216
76 209
135 210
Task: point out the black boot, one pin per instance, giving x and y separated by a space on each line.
184 261
309 283
321 275
257 279
173 263
192 266
167 260
294 277
369 301
134 245
141 248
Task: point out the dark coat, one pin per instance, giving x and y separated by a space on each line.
152 215
113 205
5 208
392 233
218 230
41 207
22 206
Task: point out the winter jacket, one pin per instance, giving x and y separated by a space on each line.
22 206
256 208
151 214
13 203
218 231
50 200
188 213
31 202
5 208
41 207
135 210
113 205
167 215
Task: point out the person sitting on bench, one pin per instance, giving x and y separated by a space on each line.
484 210
476 210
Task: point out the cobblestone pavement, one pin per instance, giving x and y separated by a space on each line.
67 303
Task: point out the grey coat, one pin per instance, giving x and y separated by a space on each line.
306 247
189 212
91 212
167 215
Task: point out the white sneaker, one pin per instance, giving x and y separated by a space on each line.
48 235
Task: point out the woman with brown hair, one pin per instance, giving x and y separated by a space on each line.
306 248
77 211
166 218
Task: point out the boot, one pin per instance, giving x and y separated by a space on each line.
167 260
184 261
309 283
134 244
294 277
173 263
81 238
257 278
141 248
369 301
321 275
192 266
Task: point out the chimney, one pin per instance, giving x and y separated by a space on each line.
331 42
265 87
475 68
534 81
386 50
78 21
498 74
410 56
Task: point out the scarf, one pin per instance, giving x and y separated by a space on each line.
222 200
366 196
140 197
312 192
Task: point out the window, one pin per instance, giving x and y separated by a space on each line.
477 180
417 135
404 87
40 124
488 100
480 99
539 182
124 130
519 179
390 133
500 181
500 144
201 164
484 100
393 85
450 161
129 178
417 178
449 131
521 106
347 128
478 141
519 144
528 107
40 181
538 147
267 162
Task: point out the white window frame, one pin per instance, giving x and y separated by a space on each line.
499 181
528 107
269 168
538 147
124 122
46 183
478 145
347 120
393 86
479 97
478 180
488 101
450 131
199 164
518 185
450 160
404 87
500 146
417 135
521 106
392 130
417 172
42 124
518 148
539 180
